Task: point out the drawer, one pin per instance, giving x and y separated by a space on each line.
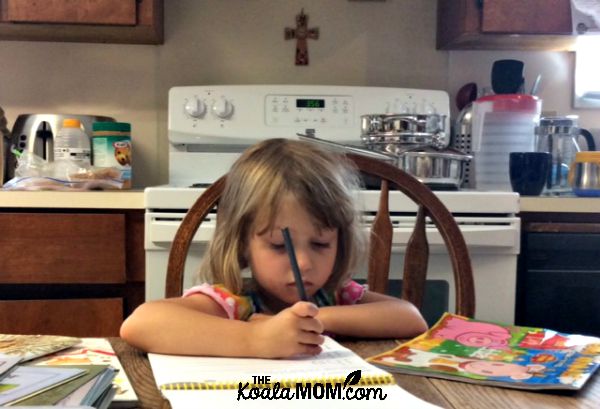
40 248
93 317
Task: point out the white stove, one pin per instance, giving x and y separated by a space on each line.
210 125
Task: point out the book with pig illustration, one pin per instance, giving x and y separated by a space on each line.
468 350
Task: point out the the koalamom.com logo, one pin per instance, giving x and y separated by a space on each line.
262 388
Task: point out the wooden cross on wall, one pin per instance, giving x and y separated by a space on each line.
301 33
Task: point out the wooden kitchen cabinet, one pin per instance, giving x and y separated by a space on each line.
504 24
77 273
95 21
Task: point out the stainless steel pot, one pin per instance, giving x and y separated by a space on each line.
394 133
441 169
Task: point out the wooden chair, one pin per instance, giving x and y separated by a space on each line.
417 250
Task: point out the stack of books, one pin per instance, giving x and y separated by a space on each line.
41 370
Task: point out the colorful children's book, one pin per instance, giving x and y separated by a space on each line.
469 350
96 351
33 346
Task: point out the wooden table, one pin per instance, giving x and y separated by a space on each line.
447 394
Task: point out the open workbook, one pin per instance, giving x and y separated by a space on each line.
469 350
337 377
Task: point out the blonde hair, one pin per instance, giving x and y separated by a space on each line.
323 182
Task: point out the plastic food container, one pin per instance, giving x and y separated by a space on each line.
111 147
584 174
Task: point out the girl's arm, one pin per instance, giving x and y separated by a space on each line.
375 316
197 325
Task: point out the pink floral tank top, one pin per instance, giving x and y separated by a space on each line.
241 307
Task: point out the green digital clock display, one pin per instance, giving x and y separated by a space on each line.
310 103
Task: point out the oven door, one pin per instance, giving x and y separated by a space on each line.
493 244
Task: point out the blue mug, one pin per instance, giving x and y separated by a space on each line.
529 172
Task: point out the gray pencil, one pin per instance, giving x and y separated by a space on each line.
289 246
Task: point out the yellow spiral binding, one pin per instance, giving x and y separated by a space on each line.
371 380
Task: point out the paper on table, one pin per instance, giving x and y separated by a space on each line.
7 362
32 346
27 381
397 398
333 362
96 351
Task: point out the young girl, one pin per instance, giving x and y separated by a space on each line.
276 184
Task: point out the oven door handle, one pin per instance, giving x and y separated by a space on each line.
161 229
505 237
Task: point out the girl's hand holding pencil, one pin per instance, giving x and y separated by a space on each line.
293 331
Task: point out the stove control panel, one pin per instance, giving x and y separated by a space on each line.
244 114
309 111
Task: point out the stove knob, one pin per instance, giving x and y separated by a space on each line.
222 108
194 108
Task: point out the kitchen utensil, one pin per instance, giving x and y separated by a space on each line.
4 145
465 95
558 136
507 76
35 134
536 85
386 157
439 169
584 174
461 140
391 132
528 172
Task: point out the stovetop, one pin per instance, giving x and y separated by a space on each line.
209 126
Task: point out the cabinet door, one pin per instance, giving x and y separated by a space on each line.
78 318
46 248
526 16
93 21
489 25
113 12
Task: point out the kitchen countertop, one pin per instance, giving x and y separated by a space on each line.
568 204
117 199
134 199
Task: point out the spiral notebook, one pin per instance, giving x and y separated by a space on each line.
185 379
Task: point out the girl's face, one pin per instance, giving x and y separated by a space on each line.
316 251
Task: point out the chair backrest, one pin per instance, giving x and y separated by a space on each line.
417 249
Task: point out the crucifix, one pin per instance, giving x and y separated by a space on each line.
301 33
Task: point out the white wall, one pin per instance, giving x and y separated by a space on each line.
389 43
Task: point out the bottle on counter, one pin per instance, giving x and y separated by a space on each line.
72 150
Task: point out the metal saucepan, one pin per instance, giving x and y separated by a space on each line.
435 168
393 132
442 169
